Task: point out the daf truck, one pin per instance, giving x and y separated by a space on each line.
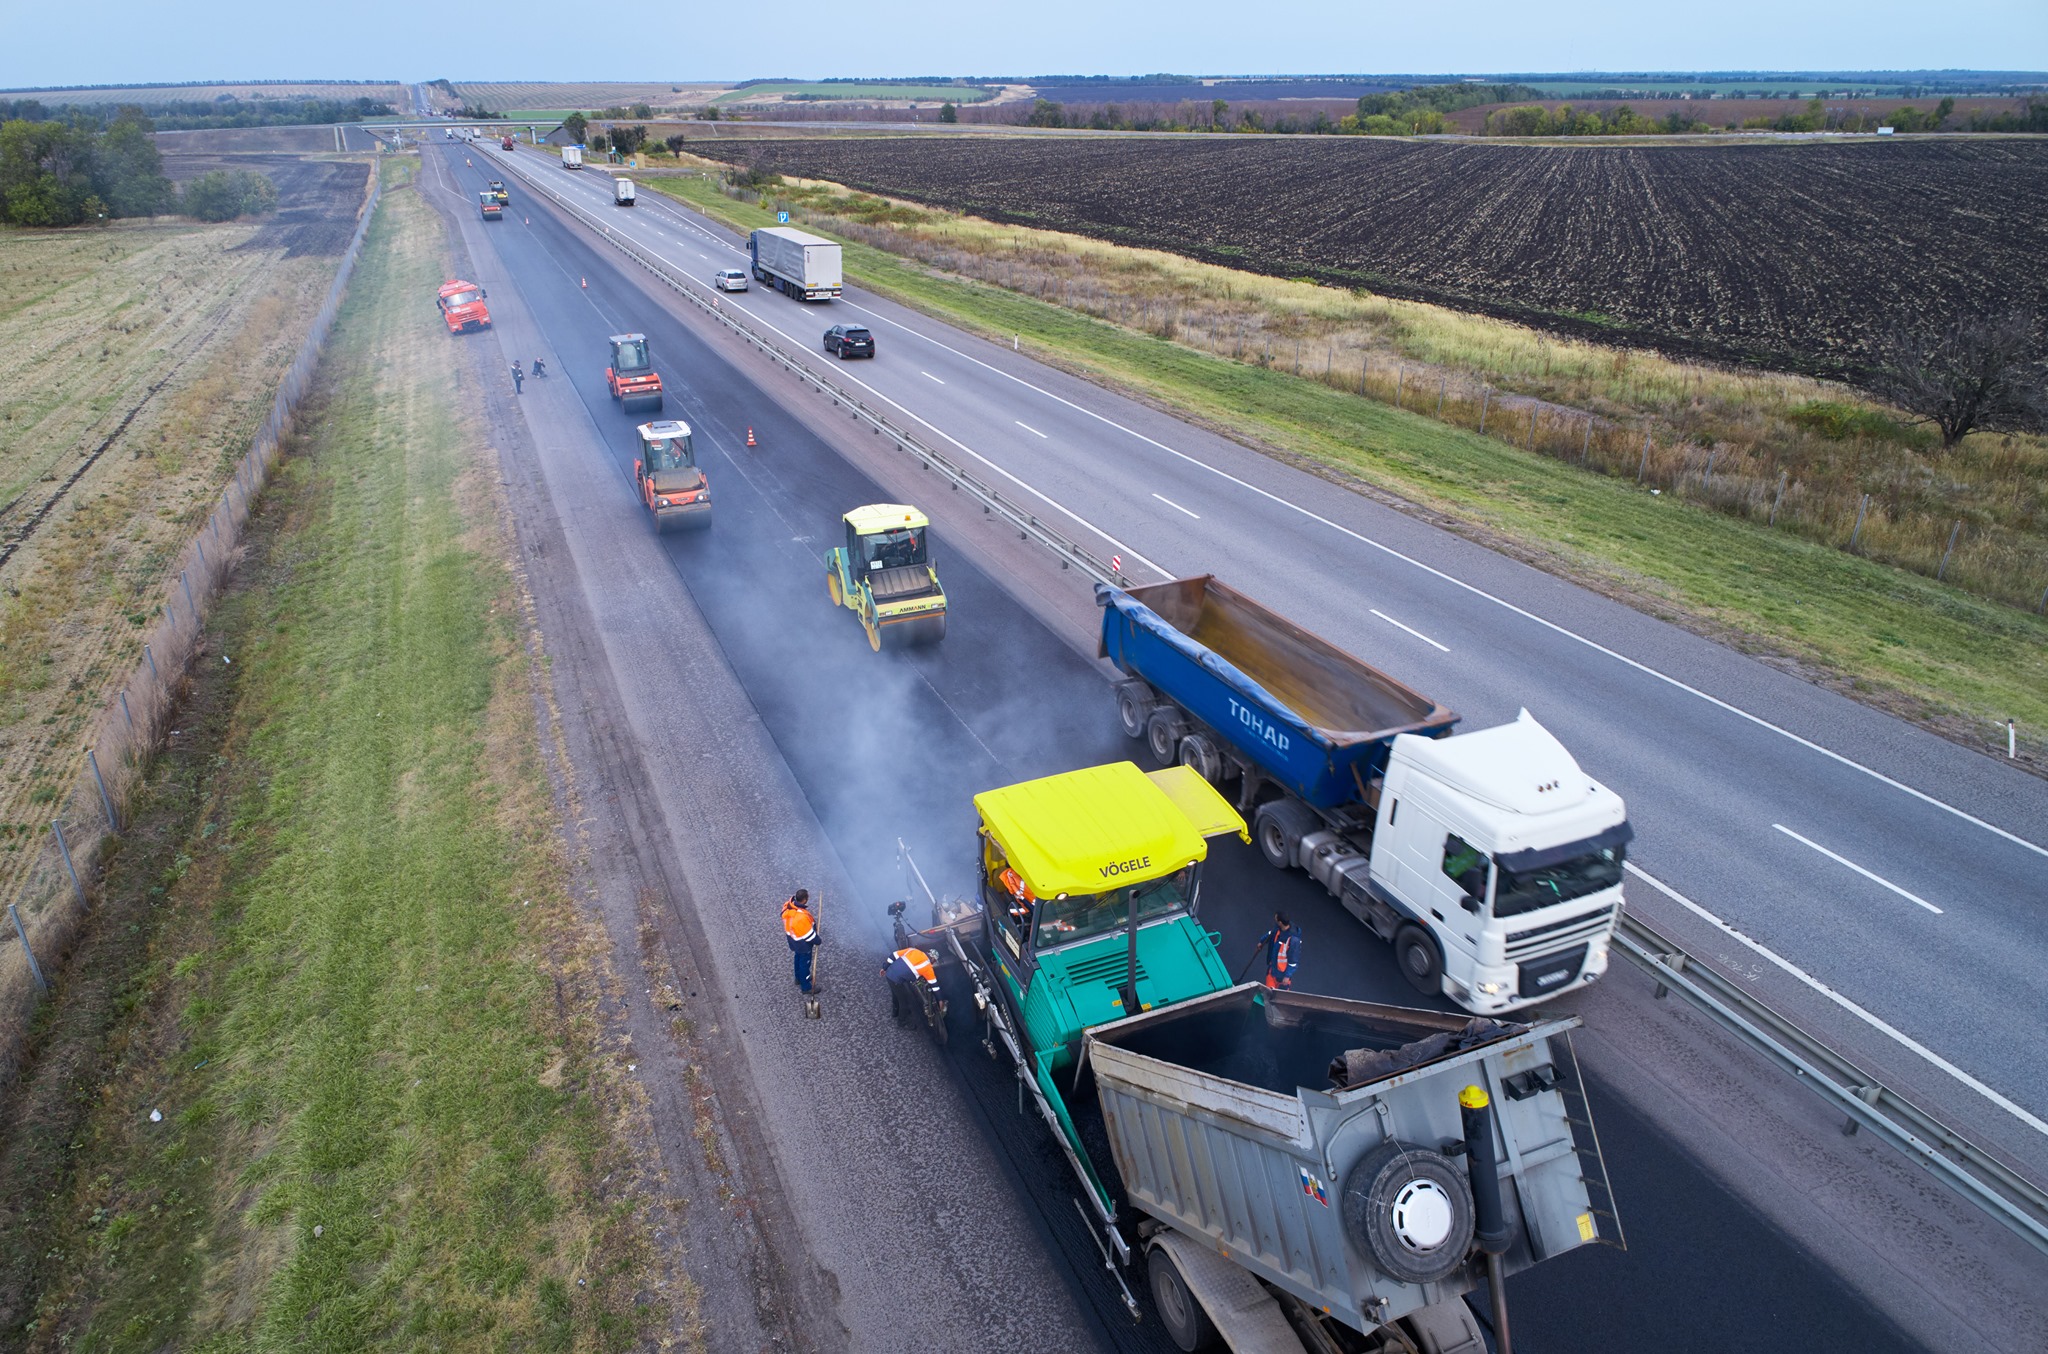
795 263
1283 1171
1489 860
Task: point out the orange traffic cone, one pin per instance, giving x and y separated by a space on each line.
750 434
586 284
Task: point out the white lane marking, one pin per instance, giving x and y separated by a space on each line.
1028 428
1177 507
1410 629
1477 591
1904 1040
1844 860
929 377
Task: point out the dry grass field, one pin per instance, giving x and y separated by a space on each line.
501 98
384 92
135 363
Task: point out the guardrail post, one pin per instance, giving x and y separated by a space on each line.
106 800
35 970
1869 1095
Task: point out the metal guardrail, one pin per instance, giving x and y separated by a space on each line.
1028 524
1864 1100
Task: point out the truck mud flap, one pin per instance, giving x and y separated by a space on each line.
1244 1313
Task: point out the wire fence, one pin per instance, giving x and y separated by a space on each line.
52 894
1883 515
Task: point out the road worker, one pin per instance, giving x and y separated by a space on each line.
518 377
906 969
802 930
1282 945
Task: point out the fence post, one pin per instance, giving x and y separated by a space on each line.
125 715
1644 466
1485 398
2041 605
186 583
152 665
1529 442
1586 442
1861 508
64 850
1400 375
1784 478
1709 480
1942 572
106 800
1441 381
35 970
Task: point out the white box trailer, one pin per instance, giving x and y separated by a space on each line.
796 263
572 157
622 192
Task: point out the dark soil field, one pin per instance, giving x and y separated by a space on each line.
1798 256
317 200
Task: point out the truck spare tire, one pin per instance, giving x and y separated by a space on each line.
1409 1209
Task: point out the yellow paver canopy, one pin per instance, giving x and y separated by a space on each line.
1102 827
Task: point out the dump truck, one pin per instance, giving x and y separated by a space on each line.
462 307
674 489
884 575
795 263
498 192
622 192
488 204
1286 1171
631 377
572 157
506 143
1489 860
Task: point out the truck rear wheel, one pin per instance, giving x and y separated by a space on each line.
1278 828
1421 964
1134 702
1198 751
1163 732
1179 1312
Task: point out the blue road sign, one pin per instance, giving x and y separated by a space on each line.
782 218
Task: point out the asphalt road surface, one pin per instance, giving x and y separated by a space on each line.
891 745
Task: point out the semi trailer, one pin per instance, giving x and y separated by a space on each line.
795 263
1489 860
572 157
622 192
1283 1171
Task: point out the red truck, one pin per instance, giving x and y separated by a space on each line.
462 306
508 143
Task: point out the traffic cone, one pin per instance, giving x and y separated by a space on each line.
750 434
586 284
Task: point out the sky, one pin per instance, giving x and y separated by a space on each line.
137 41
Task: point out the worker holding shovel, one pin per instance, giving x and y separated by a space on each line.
801 929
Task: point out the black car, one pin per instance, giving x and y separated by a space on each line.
849 340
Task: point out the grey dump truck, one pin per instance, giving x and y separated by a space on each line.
1307 1173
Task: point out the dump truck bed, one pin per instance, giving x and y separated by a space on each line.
1223 1122
1319 721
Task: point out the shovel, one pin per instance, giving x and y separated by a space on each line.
812 1010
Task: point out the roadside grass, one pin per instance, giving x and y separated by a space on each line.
1775 448
366 1008
1954 661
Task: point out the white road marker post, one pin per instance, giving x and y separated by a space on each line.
2012 739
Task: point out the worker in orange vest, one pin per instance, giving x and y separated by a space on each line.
802 930
1283 952
905 970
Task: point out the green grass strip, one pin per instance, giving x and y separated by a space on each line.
1897 639
377 1134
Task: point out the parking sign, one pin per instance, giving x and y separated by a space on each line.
782 218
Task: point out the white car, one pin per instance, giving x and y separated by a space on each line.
730 279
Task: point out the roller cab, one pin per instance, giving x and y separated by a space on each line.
631 377
673 488
884 575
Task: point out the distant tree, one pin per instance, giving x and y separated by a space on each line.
1977 373
223 195
641 110
1045 113
948 113
627 140
576 125
674 144
708 113
129 173
598 142
45 172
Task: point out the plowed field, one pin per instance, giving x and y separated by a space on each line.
1795 256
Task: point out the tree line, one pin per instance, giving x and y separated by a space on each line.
184 115
1816 116
64 173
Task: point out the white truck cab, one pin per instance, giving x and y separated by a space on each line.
1506 857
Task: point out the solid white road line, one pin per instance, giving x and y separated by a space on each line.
929 377
1844 860
1479 592
1177 507
1028 428
1892 1032
1410 629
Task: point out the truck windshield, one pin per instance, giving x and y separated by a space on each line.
631 356
1062 921
893 549
1528 890
464 298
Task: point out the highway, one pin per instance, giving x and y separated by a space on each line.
895 744
1855 852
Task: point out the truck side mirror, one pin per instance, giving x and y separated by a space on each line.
1471 904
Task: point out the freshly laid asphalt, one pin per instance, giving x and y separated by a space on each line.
882 746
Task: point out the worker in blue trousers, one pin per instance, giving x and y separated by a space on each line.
802 930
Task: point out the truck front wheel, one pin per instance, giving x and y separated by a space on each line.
1421 963
1183 1317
